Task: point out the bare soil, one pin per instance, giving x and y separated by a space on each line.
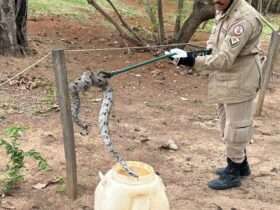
152 105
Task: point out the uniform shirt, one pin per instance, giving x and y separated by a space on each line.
234 64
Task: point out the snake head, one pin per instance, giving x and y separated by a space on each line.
104 74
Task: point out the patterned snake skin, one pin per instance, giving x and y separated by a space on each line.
83 83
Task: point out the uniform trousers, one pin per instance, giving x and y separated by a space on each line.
236 125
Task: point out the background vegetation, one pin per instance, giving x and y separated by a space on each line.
80 9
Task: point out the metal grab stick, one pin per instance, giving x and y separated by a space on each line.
133 66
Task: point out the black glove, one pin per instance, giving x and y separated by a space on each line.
181 57
187 61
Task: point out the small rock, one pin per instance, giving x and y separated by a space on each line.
136 129
102 40
184 99
188 159
2 118
173 147
187 170
144 140
170 146
164 123
266 133
274 170
40 186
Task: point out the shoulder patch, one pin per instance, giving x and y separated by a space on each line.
238 30
234 41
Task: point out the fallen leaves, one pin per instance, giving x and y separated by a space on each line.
26 82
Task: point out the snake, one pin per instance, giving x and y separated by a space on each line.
83 83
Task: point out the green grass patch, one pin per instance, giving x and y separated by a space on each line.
74 8
79 9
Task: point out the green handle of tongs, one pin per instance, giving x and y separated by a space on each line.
128 68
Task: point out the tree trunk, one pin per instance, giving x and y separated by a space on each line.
202 10
267 7
13 16
161 22
260 6
21 22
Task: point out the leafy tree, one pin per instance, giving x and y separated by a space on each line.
202 11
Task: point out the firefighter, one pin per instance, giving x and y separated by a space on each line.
235 78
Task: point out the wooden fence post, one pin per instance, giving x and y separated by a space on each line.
66 119
267 69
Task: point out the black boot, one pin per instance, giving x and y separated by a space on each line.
230 179
244 169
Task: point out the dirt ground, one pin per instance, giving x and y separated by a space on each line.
152 105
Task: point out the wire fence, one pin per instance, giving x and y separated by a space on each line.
30 92
30 99
28 68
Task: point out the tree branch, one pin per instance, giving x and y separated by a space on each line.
161 22
151 15
180 6
111 20
125 25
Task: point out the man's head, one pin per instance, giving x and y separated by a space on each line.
222 5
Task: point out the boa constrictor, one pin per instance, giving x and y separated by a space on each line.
87 80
